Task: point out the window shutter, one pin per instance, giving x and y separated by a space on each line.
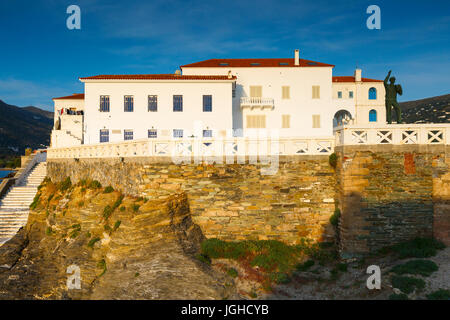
316 92
285 92
255 91
316 121
286 121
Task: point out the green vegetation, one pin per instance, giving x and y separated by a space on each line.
280 277
305 265
334 219
204 258
49 231
102 264
418 248
440 294
136 274
92 242
107 228
35 202
135 207
400 296
116 225
108 189
108 210
122 209
423 267
65 185
407 284
332 159
95 184
232 272
74 234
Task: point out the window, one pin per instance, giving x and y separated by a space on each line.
152 133
207 103
223 64
233 90
128 104
372 116
350 94
283 63
316 121
255 64
104 135
152 103
339 94
256 121
316 92
372 94
127 134
285 92
177 103
285 121
255 91
104 103
178 133
207 133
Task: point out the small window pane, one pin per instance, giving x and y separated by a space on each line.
372 116
128 134
372 94
152 103
104 135
152 133
128 104
207 133
178 133
207 103
350 94
339 94
104 103
178 103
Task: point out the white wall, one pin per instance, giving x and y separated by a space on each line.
301 107
164 120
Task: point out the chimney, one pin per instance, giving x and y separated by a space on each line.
229 74
357 75
297 57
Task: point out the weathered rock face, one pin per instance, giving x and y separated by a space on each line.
150 255
228 201
390 194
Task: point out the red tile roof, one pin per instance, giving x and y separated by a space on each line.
75 96
255 63
352 79
157 77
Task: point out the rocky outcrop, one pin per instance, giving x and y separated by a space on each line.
125 248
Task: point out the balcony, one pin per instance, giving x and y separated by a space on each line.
255 102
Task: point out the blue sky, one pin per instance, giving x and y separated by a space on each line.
40 58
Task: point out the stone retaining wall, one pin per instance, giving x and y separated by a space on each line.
390 194
230 202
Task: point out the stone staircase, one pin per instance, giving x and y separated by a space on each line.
14 206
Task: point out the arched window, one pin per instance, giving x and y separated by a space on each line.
372 94
372 116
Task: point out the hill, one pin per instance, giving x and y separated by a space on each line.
21 128
429 110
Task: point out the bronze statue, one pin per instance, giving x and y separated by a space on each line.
391 98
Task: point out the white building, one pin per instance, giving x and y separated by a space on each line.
298 97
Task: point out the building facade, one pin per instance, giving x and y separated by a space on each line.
218 98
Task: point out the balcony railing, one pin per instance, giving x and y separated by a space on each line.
255 102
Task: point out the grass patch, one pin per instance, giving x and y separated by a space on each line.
280 278
232 272
92 242
440 294
49 231
407 284
400 296
95 184
108 189
305 265
35 202
423 267
203 258
116 225
65 185
418 248
107 212
102 264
